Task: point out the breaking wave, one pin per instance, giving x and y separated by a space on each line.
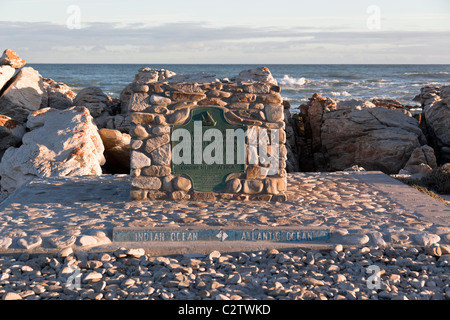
291 82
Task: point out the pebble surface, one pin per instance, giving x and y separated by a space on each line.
411 252
404 273
82 211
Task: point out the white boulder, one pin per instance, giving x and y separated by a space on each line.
60 143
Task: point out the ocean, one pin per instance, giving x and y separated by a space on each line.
298 82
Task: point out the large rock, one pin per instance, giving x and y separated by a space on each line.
148 75
11 133
6 73
200 77
144 75
436 108
117 150
422 160
97 102
10 58
23 95
60 143
262 74
355 132
57 95
292 162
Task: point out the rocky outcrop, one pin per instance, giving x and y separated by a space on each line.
97 102
23 95
422 161
144 75
347 133
436 111
10 58
57 95
117 151
292 162
60 143
261 74
11 133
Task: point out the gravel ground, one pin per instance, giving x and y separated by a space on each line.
367 273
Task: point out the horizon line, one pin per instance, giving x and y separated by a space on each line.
252 64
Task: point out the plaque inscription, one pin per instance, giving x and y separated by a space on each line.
207 149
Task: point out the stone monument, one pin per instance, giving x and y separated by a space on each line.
199 138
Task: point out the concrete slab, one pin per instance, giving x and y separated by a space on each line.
358 208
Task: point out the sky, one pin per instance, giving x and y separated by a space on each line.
228 32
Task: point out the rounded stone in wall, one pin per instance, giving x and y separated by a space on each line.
252 186
182 184
177 195
234 186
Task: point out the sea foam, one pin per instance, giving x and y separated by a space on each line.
292 82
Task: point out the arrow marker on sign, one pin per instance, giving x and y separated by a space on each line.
222 236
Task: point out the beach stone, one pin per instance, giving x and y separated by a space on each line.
30 242
136 253
214 255
377 239
57 95
356 239
11 58
11 296
275 185
97 102
139 160
313 282
274 113
262 74
146 183
234 186
234 278
93 276
162 155
66 252
182 183
23 95
156 142
159 100
60 143
156 171
87 241
5 242
426 239
252 186
160 130
422 160
11 133
179 116
149 75
61 241
434 250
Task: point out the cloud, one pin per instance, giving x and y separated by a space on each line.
198 42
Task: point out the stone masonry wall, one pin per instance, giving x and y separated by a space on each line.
253 99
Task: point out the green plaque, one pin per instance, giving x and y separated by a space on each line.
208 148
